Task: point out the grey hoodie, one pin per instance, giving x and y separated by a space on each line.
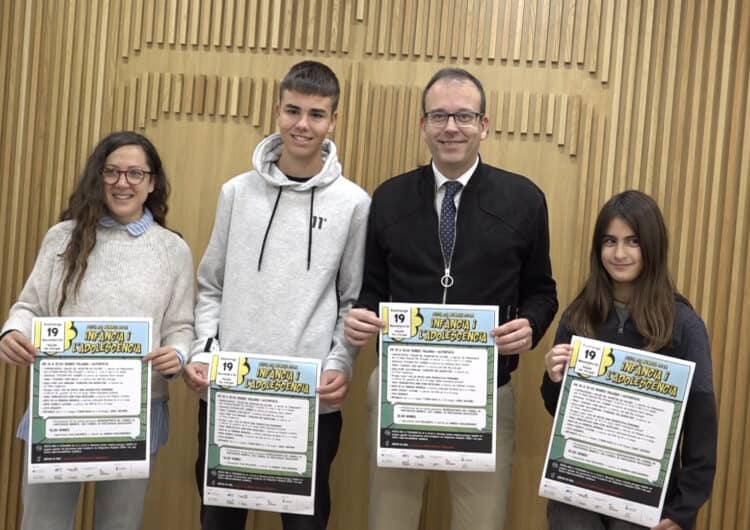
284 263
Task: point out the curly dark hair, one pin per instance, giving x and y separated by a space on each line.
86 205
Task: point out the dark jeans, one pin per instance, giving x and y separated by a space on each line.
221 518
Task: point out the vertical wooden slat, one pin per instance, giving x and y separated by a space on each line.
217 18
419 29
149 11
610 169
550 121
323 20
652 141
223 95
172 22
531 31
371 29
361 9
246 97
178 86
593 43
458 22
537 122
479 50
607 41
335 32
555 34
153 98
432 29
583 16
299 23
160 17
574 125
137 31
125 28
494 23
308 24
692 159
520 31
525 104
562 120
500 112
643 89
407 39
240 24
512 111
198 101
346 27
384 26
505 37
166 93
228 25
207 13
569 12
470 33
544 31
145 80
397 22
196 16
182 22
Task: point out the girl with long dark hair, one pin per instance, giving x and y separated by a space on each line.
629 299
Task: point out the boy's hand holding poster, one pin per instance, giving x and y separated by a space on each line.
437 387
262 426
616 428
90 396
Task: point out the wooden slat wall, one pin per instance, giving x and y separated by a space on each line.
586 97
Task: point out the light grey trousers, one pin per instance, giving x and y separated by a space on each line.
118 504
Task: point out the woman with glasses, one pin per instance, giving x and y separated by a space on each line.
111 255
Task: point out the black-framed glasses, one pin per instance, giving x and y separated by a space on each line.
463 118
134 175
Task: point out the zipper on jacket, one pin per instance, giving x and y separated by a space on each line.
447 280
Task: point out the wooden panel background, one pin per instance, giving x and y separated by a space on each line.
586 97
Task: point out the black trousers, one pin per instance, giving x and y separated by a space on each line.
222 518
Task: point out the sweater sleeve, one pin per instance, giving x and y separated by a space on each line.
550 390
537 290
693 475
349 280
211 279
177 324
36 295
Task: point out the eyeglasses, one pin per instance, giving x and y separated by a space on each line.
133 176
463 118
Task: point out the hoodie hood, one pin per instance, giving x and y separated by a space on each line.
268 151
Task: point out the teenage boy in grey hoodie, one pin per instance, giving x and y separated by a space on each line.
283 266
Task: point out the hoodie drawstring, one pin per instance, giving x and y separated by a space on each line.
309 229
268 229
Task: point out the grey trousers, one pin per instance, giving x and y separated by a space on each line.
118 504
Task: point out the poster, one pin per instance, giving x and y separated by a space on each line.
437 392
262 431
90 395
616 429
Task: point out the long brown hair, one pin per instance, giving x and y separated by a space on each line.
86 205
652 304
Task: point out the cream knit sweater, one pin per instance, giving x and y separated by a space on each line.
146 276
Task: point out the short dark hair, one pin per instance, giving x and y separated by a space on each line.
458 74
312 77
